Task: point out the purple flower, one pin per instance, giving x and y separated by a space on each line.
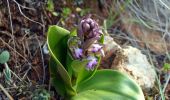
78 53
92 62
102 52
95 48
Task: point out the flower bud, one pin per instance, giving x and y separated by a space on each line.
85 27
89 28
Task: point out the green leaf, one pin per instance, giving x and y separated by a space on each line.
166 67
73 32
108 85
50 5
4 57
50 8
66 12
57 44
68 62
102 39
7 73
55 13
56 79
79 68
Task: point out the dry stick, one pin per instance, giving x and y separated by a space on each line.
26 73
6 92
6 65
6 33
12 30
136 40
23 6
166 84
157 78
168 78
15 50
28 17
46 15
164 4
42 58
42 19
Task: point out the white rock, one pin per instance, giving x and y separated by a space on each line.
130 60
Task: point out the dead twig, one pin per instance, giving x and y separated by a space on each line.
6 92
12 30
23 6
42 59
19 7
15 51
166 83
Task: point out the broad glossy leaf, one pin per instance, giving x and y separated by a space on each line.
79 68
57 44
4 57
108 85
56 79
68 62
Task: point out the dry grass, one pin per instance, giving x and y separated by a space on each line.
152 16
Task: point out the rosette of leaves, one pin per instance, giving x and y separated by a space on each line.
70 77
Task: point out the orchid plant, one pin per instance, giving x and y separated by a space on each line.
75 57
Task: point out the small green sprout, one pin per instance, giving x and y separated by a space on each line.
50 7
166 67
66 12
4 57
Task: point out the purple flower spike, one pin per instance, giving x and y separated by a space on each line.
96 32
92 63
78 53
89 28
